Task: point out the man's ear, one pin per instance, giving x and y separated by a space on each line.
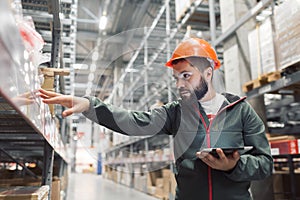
208 74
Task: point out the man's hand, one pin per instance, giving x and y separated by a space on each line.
224 163
75 104
23 99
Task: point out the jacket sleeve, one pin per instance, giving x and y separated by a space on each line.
259 163
134 123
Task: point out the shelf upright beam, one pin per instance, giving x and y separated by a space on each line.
250 14
146 65
56 29
48 166
168 33
292 176
212 20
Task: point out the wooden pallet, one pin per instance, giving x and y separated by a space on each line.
261 80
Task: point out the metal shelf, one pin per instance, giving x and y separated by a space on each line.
290 160
28 132
287 82
138 160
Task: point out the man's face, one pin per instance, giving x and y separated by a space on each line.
189 81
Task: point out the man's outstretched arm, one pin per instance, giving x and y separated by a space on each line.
74 104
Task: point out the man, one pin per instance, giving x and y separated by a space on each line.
201 118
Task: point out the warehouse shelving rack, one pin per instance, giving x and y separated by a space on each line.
288 84
28 131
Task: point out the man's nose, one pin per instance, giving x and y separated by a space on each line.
180 83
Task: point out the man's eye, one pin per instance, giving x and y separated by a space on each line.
186 76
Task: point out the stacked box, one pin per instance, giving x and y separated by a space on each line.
261 49
284 147
55 189
228 19
232 70
25 193
287 25
140 183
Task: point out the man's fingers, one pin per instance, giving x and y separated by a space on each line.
43 96
56 100
201 154
68 112
221 153
236 155
49 93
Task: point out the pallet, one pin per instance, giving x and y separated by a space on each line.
261 80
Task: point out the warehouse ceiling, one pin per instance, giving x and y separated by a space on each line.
100 52
111 47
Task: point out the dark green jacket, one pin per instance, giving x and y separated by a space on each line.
236 124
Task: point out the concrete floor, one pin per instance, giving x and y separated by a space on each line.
94 187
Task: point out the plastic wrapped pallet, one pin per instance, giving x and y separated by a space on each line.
261 48
287 24
25 193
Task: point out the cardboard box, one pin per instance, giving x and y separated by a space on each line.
25 193
159 183
55 189
262 50
151 190
228 20
152 176
140 183
173 185
159 192
232 71
284 147
287 25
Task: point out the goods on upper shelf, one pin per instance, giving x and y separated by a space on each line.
288 32
287 146
261 47
273 45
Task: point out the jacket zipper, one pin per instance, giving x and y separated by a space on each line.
207 130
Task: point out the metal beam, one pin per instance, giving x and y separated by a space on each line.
250 14
212 20
48 166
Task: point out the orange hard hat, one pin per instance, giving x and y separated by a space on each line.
194 47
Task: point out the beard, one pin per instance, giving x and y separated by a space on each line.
199 91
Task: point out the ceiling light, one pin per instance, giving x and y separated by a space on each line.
103 22
93 67
260 18
95 56
80 66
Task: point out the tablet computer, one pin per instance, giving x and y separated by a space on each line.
227 150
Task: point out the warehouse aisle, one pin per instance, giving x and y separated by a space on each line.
93 187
